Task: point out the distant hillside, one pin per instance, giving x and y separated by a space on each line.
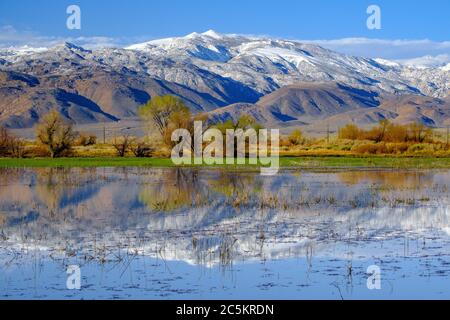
334 104
89 96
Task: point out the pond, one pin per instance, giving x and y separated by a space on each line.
183 233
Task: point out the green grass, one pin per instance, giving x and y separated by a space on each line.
365 162
84 162
285 162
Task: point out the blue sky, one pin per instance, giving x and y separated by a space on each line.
125 22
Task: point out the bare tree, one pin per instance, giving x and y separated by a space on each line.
54 133
141 149
4 141
10 145
419 133
122 145
17 148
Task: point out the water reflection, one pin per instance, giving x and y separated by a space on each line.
207 218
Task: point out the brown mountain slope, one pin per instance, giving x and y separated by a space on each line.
317 100
97 96
302 103
321 104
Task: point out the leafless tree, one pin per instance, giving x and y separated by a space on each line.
10 145
122 145
141 149
4 141
17 147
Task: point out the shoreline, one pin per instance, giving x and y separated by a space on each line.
310 162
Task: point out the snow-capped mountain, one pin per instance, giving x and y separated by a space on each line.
266 64
263 64
20 51
208 70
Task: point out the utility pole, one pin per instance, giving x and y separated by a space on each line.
448 133
104 134
328 132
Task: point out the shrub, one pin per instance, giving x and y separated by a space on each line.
421 149
388 132
419 133
350 132
17 148
370 148
397 148
11 146
37 151
86 140
396 133
285 143
378 133
140 149
296 138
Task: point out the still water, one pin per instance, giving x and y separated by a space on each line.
209 234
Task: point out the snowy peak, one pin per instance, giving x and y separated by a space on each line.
68 46
72 46
446 67
266 64
208 46
209 36
210 33
213 34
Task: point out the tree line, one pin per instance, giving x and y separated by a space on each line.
162 114
387 131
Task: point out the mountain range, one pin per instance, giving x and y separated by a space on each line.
280 82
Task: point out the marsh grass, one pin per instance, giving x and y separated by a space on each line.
306 162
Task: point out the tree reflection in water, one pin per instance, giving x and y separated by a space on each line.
213 216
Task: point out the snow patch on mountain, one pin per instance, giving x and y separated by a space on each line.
446 67
263 64
427 61
388 63
12 53
266 64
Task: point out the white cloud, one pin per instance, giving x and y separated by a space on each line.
427 61
10 37
386 49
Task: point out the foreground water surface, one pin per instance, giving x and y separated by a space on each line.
209 234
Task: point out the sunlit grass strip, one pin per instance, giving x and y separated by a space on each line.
285 162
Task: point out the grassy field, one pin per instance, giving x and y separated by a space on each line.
285 162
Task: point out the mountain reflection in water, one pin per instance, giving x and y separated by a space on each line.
336 222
